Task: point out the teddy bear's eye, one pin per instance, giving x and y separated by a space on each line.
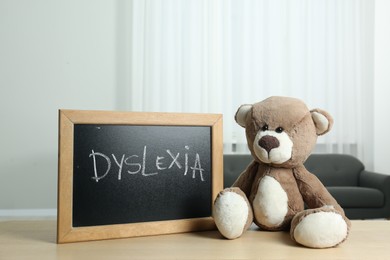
264 128
279 129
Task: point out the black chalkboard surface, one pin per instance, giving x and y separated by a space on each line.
125 174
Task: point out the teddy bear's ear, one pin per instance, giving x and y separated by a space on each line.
242 113
322 120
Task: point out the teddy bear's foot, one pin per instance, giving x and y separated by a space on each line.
232 213
319 228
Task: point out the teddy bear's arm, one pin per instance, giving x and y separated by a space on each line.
246 178
313 191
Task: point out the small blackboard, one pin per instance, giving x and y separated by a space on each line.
129 174
124 174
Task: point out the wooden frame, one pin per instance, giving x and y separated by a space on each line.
67 118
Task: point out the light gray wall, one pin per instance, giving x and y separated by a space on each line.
53 54
382 87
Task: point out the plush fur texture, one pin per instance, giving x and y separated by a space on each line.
277 155
320 229
271 202
232 213
281 133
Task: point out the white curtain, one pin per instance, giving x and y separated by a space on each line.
213 55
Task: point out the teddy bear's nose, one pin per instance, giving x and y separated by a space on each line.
268 142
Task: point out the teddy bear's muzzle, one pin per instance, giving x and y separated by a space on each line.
268 143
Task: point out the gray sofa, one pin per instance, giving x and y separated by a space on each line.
362 194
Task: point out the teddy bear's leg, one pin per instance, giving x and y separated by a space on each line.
232 213
319 228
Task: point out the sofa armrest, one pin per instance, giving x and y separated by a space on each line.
374 180
378 181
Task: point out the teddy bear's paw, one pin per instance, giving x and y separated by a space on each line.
232 213
321 230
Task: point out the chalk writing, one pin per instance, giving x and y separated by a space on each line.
135 166
93 154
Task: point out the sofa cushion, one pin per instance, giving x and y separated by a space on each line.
335 169
357 197
233 166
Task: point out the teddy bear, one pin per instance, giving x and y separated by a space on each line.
276 192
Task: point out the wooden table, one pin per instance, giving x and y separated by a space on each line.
36 240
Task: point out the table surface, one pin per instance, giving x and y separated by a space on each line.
368 239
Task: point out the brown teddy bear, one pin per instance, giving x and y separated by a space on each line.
281 133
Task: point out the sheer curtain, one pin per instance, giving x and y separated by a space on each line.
213 55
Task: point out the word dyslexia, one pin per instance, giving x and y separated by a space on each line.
135 165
